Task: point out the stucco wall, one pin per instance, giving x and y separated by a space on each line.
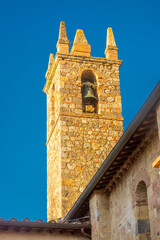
22 235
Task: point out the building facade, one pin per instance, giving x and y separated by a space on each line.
84 117
123 198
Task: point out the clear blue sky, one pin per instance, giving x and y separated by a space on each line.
29 33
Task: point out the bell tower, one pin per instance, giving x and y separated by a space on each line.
84 117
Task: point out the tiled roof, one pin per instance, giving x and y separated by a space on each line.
39 225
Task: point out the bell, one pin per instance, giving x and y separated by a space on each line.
89 96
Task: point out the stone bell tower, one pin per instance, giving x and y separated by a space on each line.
84 117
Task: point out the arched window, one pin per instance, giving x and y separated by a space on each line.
142 212
89 92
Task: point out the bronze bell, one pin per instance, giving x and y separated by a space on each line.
89 96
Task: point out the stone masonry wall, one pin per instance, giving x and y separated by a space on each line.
84 139
108 85
124 218
54 200
53 102
85 144
123 199
100 215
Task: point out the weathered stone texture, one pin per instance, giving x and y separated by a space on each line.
63 43
80 45
85 142
129 215
111 51
100 215
125 214
54 201
77 141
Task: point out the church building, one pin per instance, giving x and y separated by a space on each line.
102 184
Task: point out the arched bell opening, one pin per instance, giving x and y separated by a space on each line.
89 92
